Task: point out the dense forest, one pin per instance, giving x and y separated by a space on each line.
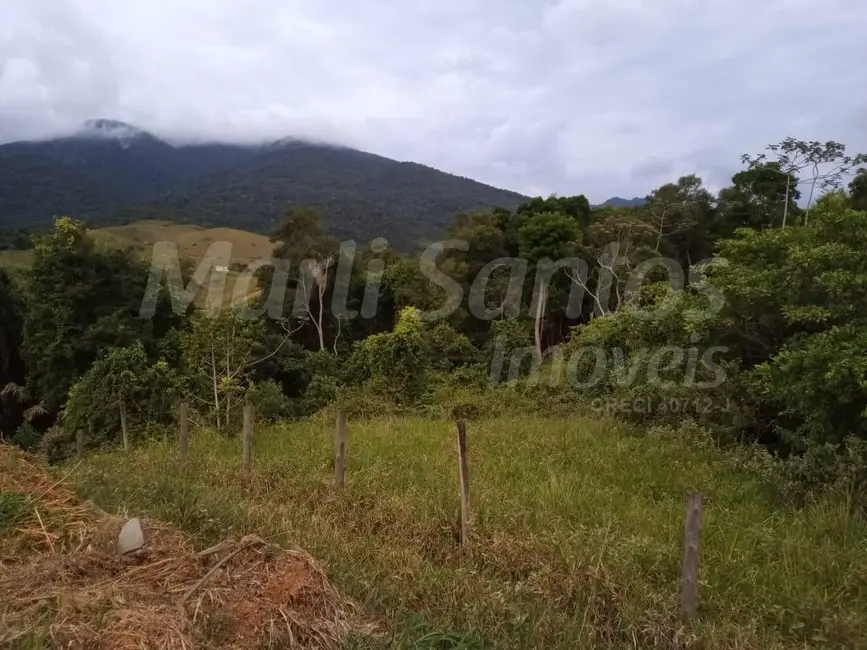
111 173
763 341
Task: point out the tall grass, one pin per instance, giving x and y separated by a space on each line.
577 533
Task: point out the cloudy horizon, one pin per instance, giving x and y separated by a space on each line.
602 98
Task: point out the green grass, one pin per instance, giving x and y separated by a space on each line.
577 534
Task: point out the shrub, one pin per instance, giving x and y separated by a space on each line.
269 401
122 376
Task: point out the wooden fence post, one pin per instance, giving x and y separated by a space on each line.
185 430
123 428
692 537
464 470
340 450
79 443
247 436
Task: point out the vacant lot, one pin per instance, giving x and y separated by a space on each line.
577 534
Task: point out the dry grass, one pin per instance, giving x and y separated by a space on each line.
64 585
193 241
16 261
577 540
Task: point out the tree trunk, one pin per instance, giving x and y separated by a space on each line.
540 316
319 326
123 428
786 205
216 388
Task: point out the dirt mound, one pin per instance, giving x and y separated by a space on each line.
63 583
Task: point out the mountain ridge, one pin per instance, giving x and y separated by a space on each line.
110 172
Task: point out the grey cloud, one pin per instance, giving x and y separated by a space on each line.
604 98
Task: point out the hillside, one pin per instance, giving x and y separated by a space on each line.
110 172
192 241
619 202
577 536
70 587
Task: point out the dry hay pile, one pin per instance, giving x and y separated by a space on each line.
63 584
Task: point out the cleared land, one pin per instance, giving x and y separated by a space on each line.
192 241
577 534
16 261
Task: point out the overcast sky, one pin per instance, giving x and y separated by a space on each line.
602 97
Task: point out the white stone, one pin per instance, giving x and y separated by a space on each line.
131 537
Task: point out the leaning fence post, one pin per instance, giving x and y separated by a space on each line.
340 450
79 442
185 430
123 428
464 471
692 537
247 436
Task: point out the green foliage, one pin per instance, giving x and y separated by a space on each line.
80 300
15 509
757 198
11 324
220 352
361 195
839 470
123 376
448 348
17 239
26 437
577 537
268 400
551 235
819 383
858 190
394 364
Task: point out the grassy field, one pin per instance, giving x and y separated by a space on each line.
577 533
16 261
192 241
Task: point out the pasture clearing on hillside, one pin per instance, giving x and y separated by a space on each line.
16 261
576 539
192 241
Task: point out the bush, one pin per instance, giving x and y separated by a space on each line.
825 468
122 376
26 437
269 401
394 364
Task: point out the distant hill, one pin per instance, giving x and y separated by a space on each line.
192 242
619 202
111 172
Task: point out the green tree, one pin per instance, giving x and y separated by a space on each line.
614 243
681 215
310 253
757 198
79 300
544 238
123 378
793 318
824 166
394 364
220 353
858 190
